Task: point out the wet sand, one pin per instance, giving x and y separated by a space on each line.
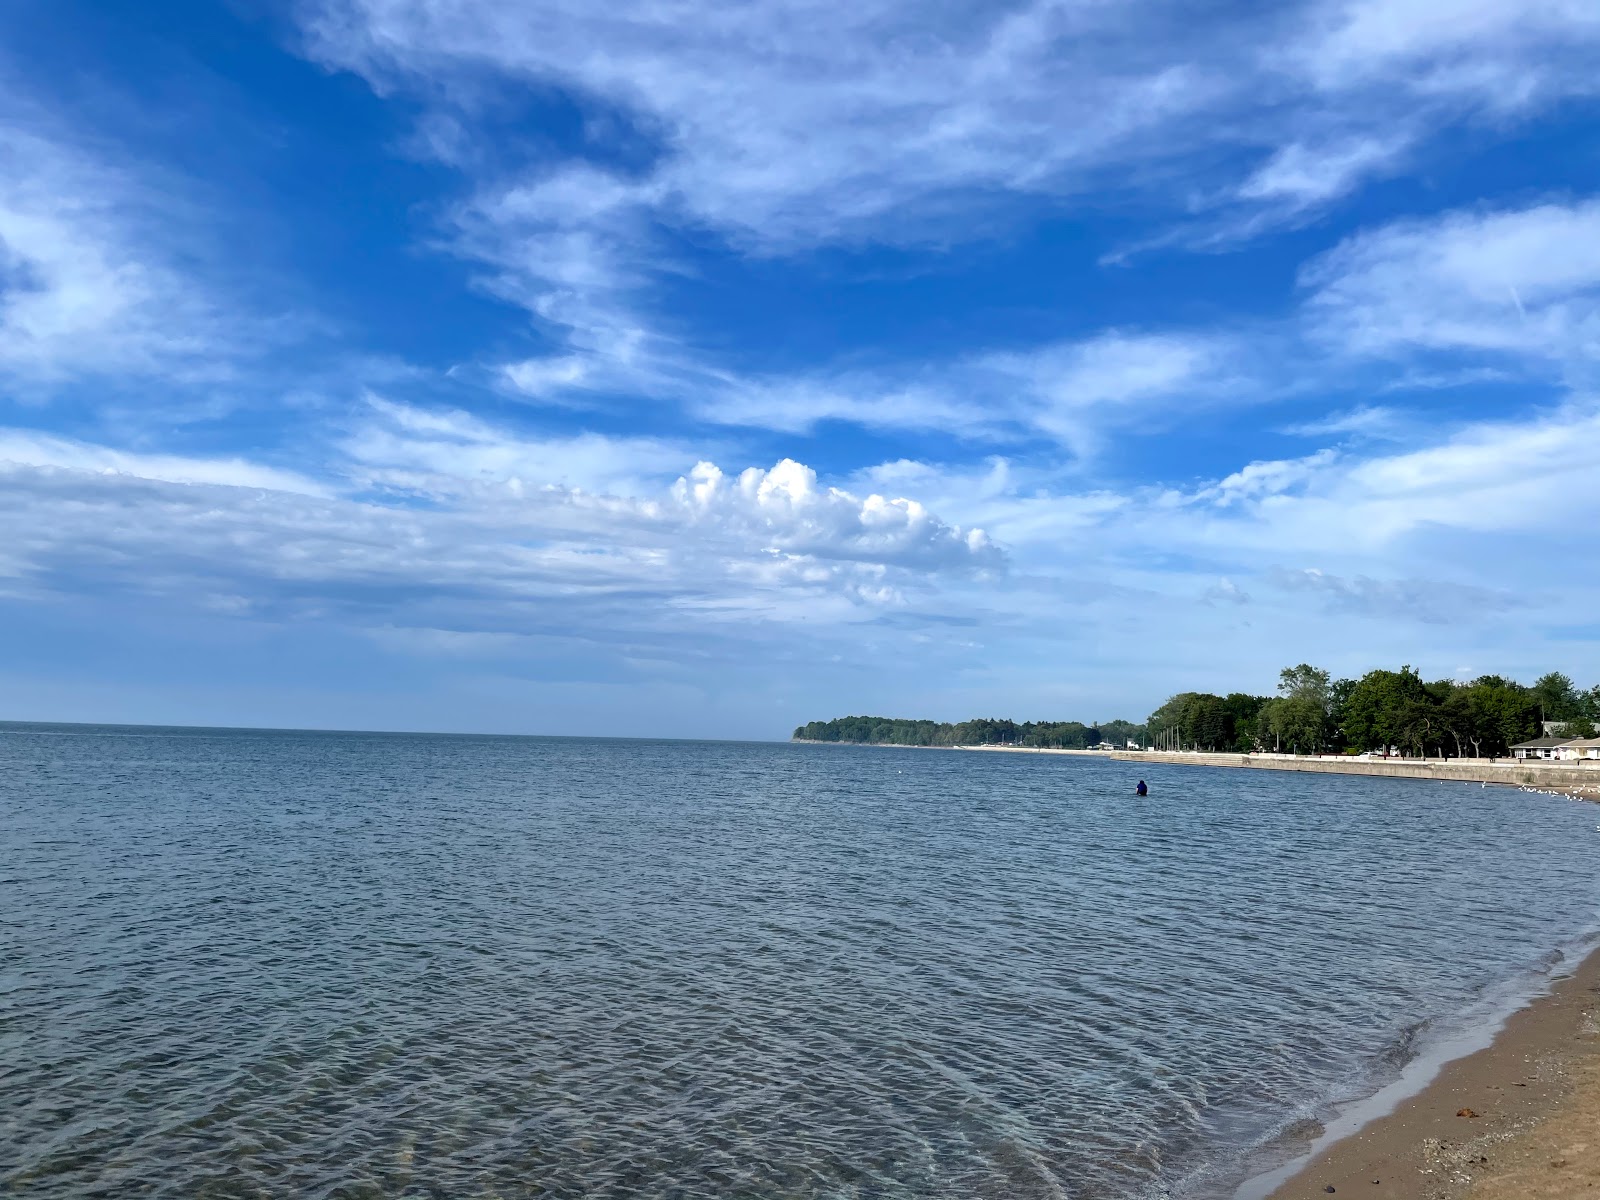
1518 1120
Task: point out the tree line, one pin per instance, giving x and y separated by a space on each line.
1312 713
896 731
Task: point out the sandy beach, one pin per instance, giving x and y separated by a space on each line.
1518 1120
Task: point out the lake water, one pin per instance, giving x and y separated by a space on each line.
344 965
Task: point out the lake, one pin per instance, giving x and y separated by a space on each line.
254 963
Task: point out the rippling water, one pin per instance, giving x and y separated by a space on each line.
346 965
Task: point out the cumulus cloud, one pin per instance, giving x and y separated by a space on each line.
486 550
786 507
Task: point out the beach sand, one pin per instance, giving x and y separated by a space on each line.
1534 1128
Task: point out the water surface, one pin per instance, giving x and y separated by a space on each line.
347 965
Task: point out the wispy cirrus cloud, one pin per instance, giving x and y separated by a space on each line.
783 130
1072 393
31 449
888 125
1431 601
1521 281
89 274
1500 55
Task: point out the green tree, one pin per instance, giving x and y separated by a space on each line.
1205 722
1306 682
1557 697
1244 717
1297 723
1166 724
1379 711
1490 714
1302 718
1591 704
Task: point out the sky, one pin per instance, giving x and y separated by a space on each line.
677 368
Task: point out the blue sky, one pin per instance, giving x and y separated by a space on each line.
702 369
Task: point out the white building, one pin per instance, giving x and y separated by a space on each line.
1579 749
1545 747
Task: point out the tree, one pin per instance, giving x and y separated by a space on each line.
1303 719
1306 682
1557 697
1166 723
1300 723
1591 703
1243 713
1418 723
1206 722
1379 710
1490 714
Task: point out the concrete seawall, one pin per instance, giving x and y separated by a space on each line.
1554 776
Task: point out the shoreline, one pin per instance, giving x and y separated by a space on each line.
1570 779
1533 1095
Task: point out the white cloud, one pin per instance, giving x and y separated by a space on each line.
488 551
1365 421
447 453
1072 393
27 449
1226 591
886 122
1440 530
543 377
1430 601
1300 174
1076 392
782 127
786 508
1524 281
1501 54
88 281
1465 505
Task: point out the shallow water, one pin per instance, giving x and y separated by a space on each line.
346 965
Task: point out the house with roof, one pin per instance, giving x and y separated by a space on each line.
1543 747
1579 749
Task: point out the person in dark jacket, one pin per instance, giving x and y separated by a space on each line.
1141 789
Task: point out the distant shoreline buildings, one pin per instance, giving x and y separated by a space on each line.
1557 747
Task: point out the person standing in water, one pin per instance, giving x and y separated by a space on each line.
1141 790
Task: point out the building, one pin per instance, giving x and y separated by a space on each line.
1545 747
1579 749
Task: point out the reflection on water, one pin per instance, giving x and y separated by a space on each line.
262 964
